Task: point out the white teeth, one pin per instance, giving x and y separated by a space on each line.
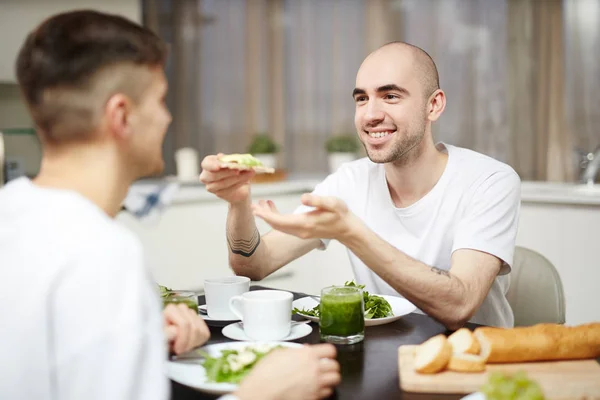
377 135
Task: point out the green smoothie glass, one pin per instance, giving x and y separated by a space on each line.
342 315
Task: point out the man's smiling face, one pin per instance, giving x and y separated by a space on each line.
391 106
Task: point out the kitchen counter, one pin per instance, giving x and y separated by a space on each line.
560 193
195 192
531 191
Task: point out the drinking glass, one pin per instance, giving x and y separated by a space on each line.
342 315
190 299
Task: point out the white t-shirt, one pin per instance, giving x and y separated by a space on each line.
474 205
81 318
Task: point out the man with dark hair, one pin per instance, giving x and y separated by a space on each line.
434 223
81 314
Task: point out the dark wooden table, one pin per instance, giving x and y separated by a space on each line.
369 369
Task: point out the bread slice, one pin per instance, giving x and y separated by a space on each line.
463 341
484 344
236 161
433 355
541 342
463 362
259 169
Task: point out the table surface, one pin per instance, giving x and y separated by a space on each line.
369 369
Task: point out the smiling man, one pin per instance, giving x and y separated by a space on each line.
431 222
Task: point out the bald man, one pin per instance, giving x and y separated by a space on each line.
433 223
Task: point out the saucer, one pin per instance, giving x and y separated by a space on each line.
236 332
213 321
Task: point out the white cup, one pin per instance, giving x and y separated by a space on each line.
186 160
218 291
266 314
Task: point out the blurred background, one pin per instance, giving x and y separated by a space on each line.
522 77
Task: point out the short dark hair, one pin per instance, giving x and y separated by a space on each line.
64 55
429 77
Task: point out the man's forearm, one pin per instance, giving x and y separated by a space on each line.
243 240
436 292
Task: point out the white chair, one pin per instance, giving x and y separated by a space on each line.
536 291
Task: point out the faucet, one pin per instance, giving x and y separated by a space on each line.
590 166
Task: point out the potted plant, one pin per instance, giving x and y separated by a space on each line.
341 149
265 149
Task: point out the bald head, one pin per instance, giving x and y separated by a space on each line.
418 60
396 100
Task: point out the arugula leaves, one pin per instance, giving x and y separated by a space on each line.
313 312
375 306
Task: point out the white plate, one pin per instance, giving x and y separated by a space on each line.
194 375
236 332
474 396
400 307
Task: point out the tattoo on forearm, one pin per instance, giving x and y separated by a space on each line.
243 247
440 272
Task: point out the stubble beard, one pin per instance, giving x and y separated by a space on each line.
403 148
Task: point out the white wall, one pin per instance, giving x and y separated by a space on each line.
13 112
19 17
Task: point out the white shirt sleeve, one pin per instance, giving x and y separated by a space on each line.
490 222
106 339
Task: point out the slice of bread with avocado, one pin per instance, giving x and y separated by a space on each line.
244 162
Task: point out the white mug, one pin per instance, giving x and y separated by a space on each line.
218 291
266 314
186 160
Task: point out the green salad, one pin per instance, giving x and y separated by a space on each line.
233 365
511 387
375 306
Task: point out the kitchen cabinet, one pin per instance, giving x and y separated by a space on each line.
19 17
567 235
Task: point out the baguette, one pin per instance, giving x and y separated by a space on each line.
463 341
541 342
462 362
433 355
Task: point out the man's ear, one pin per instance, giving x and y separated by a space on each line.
118 115
436 105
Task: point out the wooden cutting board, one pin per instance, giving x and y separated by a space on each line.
558 379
